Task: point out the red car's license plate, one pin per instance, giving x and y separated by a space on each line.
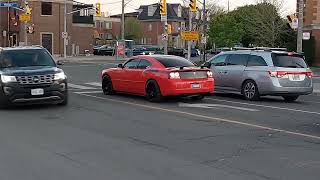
196 85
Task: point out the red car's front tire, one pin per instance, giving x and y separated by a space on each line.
153 92
107 86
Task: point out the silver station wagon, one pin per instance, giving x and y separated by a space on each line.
255 73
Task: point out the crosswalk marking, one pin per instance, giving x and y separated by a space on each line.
98 84
75 86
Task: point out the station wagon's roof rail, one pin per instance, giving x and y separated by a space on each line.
260 48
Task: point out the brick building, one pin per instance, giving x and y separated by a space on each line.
150 19
48 20
106 30
312 24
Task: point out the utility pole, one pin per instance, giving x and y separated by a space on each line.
205 29
228 6
190 29
300 26
122 21
164 19
65 31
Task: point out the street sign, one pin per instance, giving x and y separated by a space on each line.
24 17
9 5
64 35
190 35
306 36
164 19
164 37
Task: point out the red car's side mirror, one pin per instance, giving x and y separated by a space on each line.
120 66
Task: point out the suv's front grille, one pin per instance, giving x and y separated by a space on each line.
36 79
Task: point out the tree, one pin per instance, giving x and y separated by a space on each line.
225 31
133 29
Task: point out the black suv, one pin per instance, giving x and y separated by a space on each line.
29 75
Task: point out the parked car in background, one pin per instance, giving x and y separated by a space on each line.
256 73
104 50
176 51
158 76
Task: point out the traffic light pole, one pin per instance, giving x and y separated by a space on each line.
165 42
25 34
190 29
205 29
300 26
65 30
122 21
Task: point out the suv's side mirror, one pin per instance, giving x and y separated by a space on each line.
120 66
60 63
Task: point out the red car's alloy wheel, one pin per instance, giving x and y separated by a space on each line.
107 86
153 92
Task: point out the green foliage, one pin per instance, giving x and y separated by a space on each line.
225 31
257 25
133 29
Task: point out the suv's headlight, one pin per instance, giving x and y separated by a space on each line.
8 79
60 76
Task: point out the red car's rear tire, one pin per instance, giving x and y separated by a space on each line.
153 92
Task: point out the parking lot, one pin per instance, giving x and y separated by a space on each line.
127 137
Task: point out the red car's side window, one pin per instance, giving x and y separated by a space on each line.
144 64
132 64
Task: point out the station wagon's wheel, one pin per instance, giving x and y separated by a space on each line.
107 86
250 91
153 93
290 98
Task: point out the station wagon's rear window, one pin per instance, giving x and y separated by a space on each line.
288 61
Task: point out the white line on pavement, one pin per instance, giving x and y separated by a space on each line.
205 117
75 86
98 84
88 92
214 106
265 106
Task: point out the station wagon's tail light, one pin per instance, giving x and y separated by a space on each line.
278 74
174 75
210 74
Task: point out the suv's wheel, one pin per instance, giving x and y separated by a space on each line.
64 102
250 90
290 98
153 93
107 86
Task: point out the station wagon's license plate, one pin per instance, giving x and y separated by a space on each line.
296 77
37 92
196 85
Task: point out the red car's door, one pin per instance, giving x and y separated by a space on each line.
140 76
128 76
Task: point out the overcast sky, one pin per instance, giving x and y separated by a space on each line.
114 6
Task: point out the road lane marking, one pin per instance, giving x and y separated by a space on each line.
75 86
98 84
205 117
89 92
265 106
209 106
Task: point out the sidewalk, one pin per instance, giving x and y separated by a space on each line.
88 59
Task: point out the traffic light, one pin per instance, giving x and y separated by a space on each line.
98 9
169 29
193 5
163 7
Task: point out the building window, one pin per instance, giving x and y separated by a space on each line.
101 25
179 11
108 25
109 36
101 36
96 24
151 10
150 27
46 8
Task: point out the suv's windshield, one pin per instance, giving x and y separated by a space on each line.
288 61
26 58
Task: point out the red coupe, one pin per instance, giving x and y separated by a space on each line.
158 76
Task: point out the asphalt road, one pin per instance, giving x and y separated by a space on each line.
125 137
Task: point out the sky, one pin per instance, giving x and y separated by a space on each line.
114 6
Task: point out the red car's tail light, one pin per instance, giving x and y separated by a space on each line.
278 74
309 74
210 74
174 75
